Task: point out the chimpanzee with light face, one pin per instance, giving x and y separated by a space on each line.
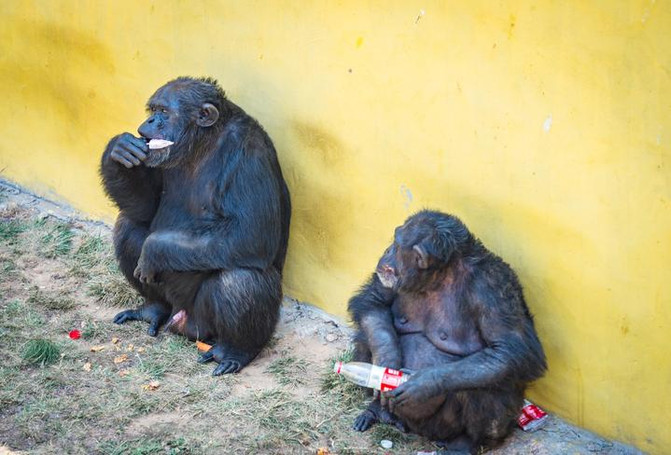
203 225
443 306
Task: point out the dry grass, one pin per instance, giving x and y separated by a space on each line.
143 395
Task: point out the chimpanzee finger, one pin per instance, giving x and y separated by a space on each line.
120 159
127 315
130 157
138 151
392 398
139 142
383 401
364 421
391 405
153 327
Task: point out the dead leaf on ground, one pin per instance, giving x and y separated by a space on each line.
153 385
87 366
97 348
115 340
130 347
124 373
121 359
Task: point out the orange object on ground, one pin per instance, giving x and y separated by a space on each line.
203 346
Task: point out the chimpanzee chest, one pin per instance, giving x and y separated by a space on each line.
434 328
185 200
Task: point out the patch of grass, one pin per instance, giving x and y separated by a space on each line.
41 352
289 370
348 395
389 432
146 446
142 403
113 290
38 297
10 230
7 267
95 330
93 256
153 368
13 308
57 241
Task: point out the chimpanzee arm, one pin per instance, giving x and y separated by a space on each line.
512 354
135 190
370 309
246 233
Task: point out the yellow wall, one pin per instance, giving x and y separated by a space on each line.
545 125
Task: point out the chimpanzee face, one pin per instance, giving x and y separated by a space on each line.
404 261
178 115
165 121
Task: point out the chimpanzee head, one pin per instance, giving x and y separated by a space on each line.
186 111
425 244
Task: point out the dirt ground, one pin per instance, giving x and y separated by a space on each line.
116 390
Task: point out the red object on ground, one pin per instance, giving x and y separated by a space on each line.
532 417
75 334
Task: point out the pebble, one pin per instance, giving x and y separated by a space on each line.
386 444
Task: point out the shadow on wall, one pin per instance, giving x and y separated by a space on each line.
320 193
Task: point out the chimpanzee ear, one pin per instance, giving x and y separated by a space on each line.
207 115
421 256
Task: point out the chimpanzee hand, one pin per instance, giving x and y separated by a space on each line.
422 386
144 271
129 150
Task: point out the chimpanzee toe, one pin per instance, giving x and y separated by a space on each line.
364 421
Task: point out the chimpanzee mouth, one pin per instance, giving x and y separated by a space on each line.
155 144
159 152
387 278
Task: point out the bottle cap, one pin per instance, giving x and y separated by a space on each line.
337 366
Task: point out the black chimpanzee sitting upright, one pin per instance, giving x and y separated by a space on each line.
204 223
442 305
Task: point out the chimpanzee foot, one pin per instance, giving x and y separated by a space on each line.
230 360
390 419
365 420
156 314
128 315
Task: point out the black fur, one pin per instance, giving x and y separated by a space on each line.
454 315
204 226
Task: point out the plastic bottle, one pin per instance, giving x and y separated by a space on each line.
372 376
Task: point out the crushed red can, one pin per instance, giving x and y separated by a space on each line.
532 417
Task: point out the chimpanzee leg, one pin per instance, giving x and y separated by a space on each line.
240 308
490 415
128 240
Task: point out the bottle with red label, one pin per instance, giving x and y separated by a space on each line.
532 417
372 376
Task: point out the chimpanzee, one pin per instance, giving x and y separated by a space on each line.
452 313
204 223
